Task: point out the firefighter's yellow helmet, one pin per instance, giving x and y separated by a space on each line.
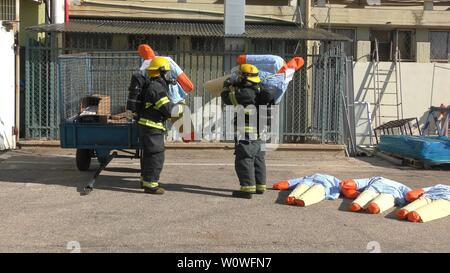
158 65
250 73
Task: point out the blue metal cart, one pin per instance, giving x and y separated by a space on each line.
106 75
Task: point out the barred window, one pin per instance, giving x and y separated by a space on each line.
7 10
206 44
387 42
88 41
440 45
264 46
162 44
405 44
384 38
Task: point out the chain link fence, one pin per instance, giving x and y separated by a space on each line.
311 110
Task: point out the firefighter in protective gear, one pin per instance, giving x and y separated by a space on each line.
250 163
157 108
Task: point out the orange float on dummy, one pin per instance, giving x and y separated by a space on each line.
185 82
281 185
414 217
373 208
354 207
401 214
414 195
295 63
241 59
290 200
146 52
299 203
348 188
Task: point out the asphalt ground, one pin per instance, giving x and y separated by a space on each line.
41 209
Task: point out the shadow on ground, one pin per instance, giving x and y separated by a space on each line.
379 162
282 195
61 171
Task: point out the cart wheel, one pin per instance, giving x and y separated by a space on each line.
83 159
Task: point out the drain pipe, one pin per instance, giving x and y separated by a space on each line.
66 10
58 9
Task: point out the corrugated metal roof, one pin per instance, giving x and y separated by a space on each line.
285 32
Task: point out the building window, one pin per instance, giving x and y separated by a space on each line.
405 41
162 44
389 41
265 46
76 41
440 46
8 10
349 47
207 44
384 40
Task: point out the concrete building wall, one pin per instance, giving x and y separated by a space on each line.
31 13
423 48
423 85
388 16
210 10
363 50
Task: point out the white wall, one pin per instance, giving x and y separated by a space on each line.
7 91
417 88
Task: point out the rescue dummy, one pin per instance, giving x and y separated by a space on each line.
250 163
157 109
182 84
427 204
375 194
310 189
274 72
180 87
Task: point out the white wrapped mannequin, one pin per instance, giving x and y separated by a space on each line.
379 195
275 73
428 204
310 189
177 91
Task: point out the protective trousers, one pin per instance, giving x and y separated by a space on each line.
250 165
152 158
